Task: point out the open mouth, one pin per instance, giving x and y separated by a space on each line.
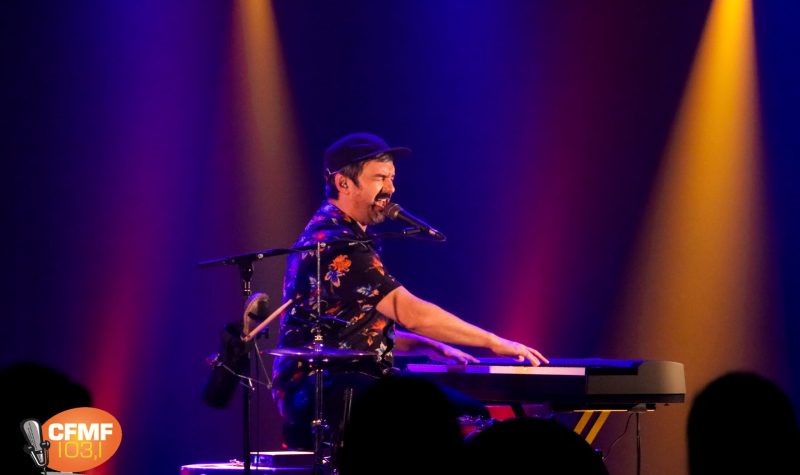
381 203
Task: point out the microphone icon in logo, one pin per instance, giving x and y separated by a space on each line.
36 448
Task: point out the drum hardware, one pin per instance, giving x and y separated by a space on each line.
244 263
317 353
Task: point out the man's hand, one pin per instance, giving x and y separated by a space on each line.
447 354
503 347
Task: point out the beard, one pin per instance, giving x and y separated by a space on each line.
377 207
376 216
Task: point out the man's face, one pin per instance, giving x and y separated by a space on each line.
372 194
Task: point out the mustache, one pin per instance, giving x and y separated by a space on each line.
381 196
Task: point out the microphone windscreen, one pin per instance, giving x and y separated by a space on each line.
392 210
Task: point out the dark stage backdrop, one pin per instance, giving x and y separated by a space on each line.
613 181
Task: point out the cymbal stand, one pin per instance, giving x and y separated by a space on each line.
318 424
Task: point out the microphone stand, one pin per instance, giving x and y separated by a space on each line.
246 275
244 263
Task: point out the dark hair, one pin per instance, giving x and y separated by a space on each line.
401 425
351 171
544 445
741 422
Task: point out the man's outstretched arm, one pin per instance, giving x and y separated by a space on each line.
430 320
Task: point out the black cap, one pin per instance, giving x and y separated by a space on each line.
356 147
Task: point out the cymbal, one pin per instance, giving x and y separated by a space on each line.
322 353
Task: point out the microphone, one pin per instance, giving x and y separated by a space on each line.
394 211
35 448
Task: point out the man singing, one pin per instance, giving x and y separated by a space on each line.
360 303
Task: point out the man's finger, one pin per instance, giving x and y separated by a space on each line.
539 355
534 360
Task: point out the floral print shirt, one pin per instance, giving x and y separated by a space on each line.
352 280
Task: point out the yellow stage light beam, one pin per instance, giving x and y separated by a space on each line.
272 169
698 278
697 286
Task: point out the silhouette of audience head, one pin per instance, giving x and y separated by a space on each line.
531 445
402 425
32 391
742 423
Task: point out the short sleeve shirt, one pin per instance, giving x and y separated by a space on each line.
351 280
